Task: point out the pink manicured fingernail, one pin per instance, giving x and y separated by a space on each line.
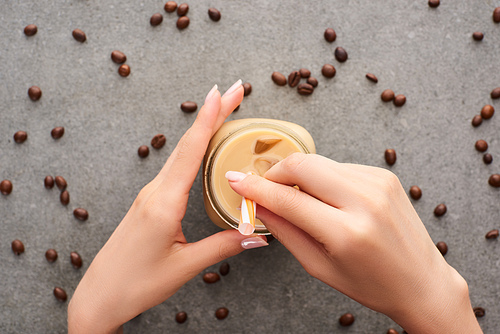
254 242
233 88
211 93
235 176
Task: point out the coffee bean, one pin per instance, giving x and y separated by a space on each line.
399 100
493 234
214 14
64 197
181 317
494 180
371 77
158 141
387 95
30 30
496 15
479 312
17 247
182 22
487 158
478 36
124 70
60 294
433 3
328 71
79 35
392 331
481 145
61 182
330 35
415 192
5 187
247 88
35 93
49 182
224 268
340 54
81 214
20 137
143 151
189 106
57 132
183 9
51 255
305 89
156 19
487 111
495 93
390 156
211 278
76 260
221 313
118 57
312 81
294 79
440 210
477 120
442 247
346 320
278 78
304 73
170 6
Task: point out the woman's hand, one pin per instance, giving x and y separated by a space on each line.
354 228
147 258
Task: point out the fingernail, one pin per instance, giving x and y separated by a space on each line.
233 88
211 93
254 242
235 176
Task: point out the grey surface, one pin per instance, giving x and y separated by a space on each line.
426 54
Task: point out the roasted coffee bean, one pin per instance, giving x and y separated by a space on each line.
477 120
305 89
170 6
487 158
211 278
51 255
79 35
330 35
76 260
17 247
304 73
371 77
392 331
481 145
399 100
182 22
143 151
5 187
221 313
346 320
20 137
189 106
433 3
390 156
183 9
57 132
495 93
496 15
493 234
312 81
124 70
49 182
415 192
494 180
294 79
478 36
81 214
487 111
118 57
341 54
181 317
224 268
387 95
214 14
60 294
440 210
278 78
30 30
247 89
479 312
156 19
64 197
158 141
328 71
442 247
61 182
35 93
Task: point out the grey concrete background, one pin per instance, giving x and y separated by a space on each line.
426 54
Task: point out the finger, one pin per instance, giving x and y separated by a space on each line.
230 100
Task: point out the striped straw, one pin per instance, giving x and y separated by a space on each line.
247 216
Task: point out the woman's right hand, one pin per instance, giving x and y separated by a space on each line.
354 228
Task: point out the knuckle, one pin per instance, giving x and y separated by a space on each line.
294 162
287 199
